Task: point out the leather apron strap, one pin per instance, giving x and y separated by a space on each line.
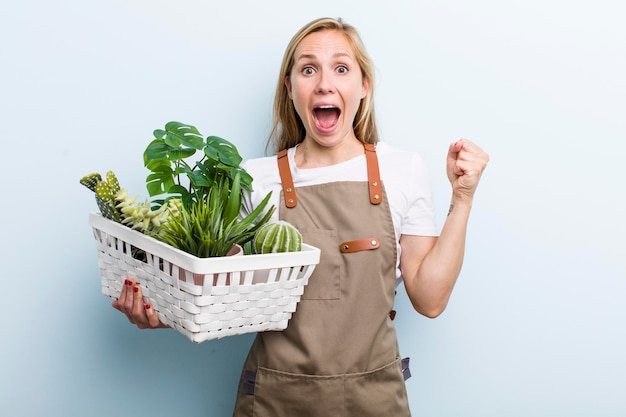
373 176
287 180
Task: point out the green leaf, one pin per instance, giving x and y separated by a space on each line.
182 153
246 179
160 180
180 133
155 151
155 164
177 190
250 218
233 203
222 150
199 180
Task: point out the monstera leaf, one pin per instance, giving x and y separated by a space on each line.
171 173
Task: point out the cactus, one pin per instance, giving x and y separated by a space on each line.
115 204
90 181
105 191
276 237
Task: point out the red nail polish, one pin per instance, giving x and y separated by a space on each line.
136 289
126 282
148 306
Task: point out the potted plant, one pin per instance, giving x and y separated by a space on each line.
193 207
186 229
209 223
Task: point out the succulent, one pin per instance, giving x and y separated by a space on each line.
115 204
211 226
141 217
279 236
105 191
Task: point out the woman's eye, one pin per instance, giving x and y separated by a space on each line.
307 70
342 69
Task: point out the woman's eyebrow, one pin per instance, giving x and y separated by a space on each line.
313 56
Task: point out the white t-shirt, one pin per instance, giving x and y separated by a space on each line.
403 174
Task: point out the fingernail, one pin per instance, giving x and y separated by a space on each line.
126 282
136 289
148 306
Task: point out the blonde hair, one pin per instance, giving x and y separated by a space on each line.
287 129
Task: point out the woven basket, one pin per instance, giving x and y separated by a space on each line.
203 298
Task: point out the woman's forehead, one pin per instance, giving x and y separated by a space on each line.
327 42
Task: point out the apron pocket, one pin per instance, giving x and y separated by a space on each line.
325 282
282 394
376 393
380 392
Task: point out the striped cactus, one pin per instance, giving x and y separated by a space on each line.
276 237
105 191
115 204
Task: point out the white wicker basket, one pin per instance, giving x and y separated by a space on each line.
231 295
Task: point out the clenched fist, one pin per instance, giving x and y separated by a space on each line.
466 162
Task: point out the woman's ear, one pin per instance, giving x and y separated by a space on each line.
365 88
288 85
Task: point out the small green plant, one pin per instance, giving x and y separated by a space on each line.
275 237
193 206
105 191
173 175
115 204
140 215
211 227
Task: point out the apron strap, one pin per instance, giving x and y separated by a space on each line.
373 176
289 191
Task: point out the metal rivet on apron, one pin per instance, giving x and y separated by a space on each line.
375 183
376 196
346 247
288 190
374 243
290 200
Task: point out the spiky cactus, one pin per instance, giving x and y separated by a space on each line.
105 191
279 236
115 204
139 216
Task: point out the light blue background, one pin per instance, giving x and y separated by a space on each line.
536 325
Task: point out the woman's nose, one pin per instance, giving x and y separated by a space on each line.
324 84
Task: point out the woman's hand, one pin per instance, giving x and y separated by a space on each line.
465 164
131 304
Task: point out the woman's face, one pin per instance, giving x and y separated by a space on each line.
326 86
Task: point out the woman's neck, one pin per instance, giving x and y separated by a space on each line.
310 154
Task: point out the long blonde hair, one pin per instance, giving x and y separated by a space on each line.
288 130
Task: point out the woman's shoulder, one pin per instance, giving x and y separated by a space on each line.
262 170
265 179
262 163
396 159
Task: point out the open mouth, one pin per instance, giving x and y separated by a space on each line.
326 116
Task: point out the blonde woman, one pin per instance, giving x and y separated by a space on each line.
368 207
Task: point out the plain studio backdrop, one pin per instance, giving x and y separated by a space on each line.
536 324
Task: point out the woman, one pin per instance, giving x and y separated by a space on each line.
368 207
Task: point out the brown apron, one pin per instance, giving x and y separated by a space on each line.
339 354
